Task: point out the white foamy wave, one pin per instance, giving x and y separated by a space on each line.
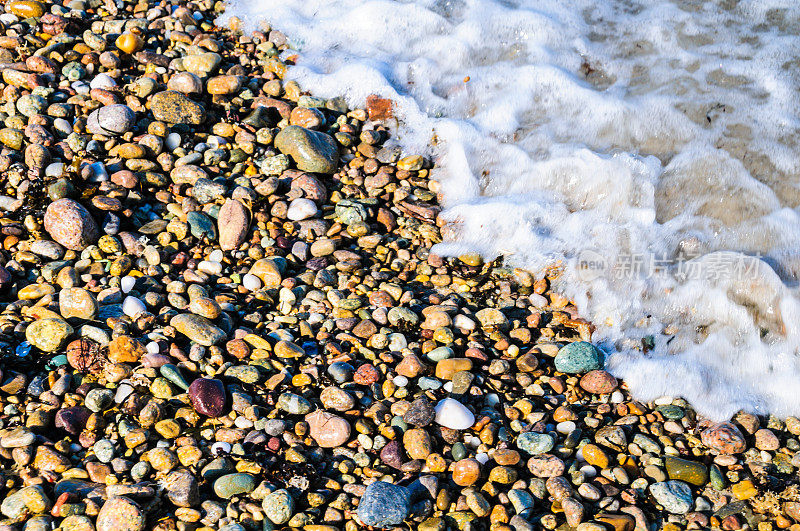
650 148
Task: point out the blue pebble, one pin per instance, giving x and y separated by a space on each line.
384 505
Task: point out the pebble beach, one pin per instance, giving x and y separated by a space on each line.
220 310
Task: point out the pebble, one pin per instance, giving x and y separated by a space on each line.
70 224
578 357
312 151
120 513
724 437
327 429
384 505
453 414
208 396
111 120
675 496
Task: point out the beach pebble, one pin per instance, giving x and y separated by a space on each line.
453 414
578 357
70 224
724 437
111 120
208 396
312 151
384 505
327 429
675 496
120 513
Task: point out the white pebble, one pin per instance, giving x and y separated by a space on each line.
242 423
463 322
566 427
617 397
127 283
663 401
173 141
301 208
400 380
103 81
448 386
209 267
251 282
216 141
216 255
538 301
8 18
589 471
132 306
453 414
152 347
55 169
482 458
220 447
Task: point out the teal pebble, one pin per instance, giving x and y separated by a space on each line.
578 357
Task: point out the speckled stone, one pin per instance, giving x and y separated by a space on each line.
384 505
70 224
120 513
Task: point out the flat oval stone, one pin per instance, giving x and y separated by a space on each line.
278 506
198 329
176 108
535 443
111 120
208 396
578 357
231 485
233 222
675 496
327 429
724 437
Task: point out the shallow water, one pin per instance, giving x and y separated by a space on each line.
650 148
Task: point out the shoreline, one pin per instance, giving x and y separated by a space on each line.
221 312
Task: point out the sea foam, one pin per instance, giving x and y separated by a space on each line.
649 148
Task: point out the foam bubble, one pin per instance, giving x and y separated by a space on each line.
649 148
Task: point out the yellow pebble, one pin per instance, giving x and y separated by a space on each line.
129 43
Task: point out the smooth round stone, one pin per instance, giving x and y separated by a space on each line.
598 382
384 505
49 334
312 151
103 81
70 224
420 413
535 443
301 208
724 437
187 83
278 506
453 414
201 226
293 404
30 499
578 357
202 63
327 429
675 496
198 329
132 306
337 399
78 303
251 282
341 372
111 120
466 472
231 485
120 514
208 396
